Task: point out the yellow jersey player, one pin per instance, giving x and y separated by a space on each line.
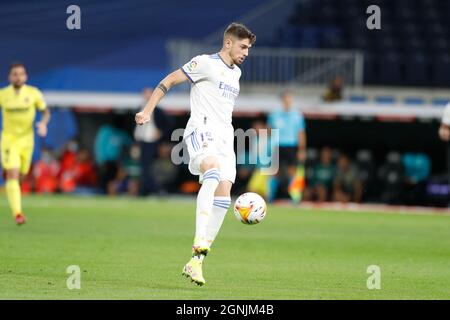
19 102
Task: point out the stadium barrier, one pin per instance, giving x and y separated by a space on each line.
282 66
258 103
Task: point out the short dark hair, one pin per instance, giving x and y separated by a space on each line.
15 65
240 31
286 92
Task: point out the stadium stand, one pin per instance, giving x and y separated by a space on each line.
411 49
120 47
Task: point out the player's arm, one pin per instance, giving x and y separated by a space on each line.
163 87
444 129
301 151
444 132
42 124
45 119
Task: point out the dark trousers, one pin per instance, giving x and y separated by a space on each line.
149 152
448 162
448 171
108 172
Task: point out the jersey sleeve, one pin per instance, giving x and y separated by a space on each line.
39 100
445 117
196 69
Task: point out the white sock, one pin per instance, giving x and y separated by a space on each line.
205 199
219 210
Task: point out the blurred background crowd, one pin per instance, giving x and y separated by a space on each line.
123 159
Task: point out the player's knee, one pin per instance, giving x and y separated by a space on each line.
209 163
12 174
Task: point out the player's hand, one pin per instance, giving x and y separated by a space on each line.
444 133
141 118
41 129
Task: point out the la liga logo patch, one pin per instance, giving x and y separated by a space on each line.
192 65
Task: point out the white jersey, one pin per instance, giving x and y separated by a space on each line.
446 115
214 89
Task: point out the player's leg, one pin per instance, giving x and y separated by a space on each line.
209 169
222 201
11 162
203 161
293 187
13 192
291 162
26 154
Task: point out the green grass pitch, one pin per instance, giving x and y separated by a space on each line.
135 249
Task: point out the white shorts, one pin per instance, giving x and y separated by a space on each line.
203 142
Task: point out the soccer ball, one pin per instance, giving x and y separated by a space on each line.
250 208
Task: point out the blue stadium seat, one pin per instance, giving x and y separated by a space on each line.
414 28
406 15
358 99
290 36
440 101
414 101
371 68
414 44
388 29
441 70
359 42
435 30
387 44
390 71
309 37
430 15
408 30
331 37
417 69
439 45
430 3
404 5
327 14
385 99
